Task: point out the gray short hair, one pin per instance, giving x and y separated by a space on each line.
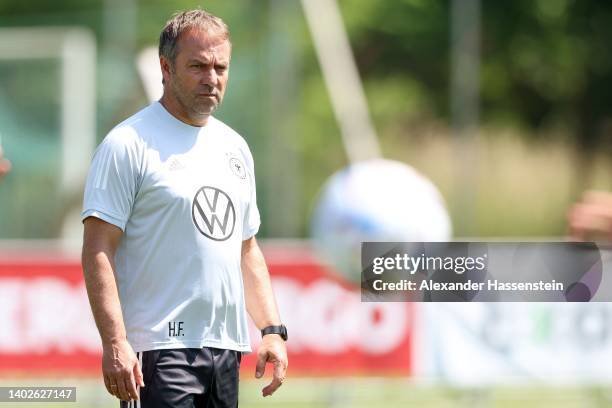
184 21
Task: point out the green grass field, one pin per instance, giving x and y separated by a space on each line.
359 392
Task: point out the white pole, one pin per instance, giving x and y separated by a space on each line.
342 79
78 107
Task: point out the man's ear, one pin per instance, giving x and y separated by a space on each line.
166 68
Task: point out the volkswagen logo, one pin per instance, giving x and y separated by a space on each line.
213 213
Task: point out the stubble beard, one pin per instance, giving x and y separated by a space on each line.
190 102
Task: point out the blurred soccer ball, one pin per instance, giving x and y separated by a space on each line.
377 200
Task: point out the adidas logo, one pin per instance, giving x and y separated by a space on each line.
175 164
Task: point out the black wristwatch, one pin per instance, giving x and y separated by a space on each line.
280 330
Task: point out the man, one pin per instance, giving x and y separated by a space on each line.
5 165
169 253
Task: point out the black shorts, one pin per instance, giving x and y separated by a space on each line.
188 378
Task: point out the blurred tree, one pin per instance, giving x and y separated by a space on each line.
545 64
548 62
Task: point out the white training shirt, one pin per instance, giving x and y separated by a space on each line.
184 197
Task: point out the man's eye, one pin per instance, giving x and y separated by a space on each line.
196 65
220 68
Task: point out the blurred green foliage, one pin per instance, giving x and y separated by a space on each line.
544 63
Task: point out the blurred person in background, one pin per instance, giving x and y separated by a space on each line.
5 166
170 258
591 218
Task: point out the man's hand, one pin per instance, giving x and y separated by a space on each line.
272 350
122 372
591 218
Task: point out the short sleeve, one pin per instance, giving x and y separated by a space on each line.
252 219
111 184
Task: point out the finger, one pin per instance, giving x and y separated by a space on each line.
272 387
107 384
277 379
122 391
114 388
132 389
280 369
138 374
260 368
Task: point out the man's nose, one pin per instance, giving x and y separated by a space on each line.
209 76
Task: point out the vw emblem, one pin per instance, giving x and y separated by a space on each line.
213 213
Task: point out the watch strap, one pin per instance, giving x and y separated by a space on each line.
281 330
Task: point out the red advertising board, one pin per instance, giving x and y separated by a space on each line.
48 327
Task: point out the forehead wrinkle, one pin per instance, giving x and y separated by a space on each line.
207 50
199 38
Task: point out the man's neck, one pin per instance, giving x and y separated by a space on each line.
175 109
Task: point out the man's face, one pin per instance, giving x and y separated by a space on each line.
198 77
